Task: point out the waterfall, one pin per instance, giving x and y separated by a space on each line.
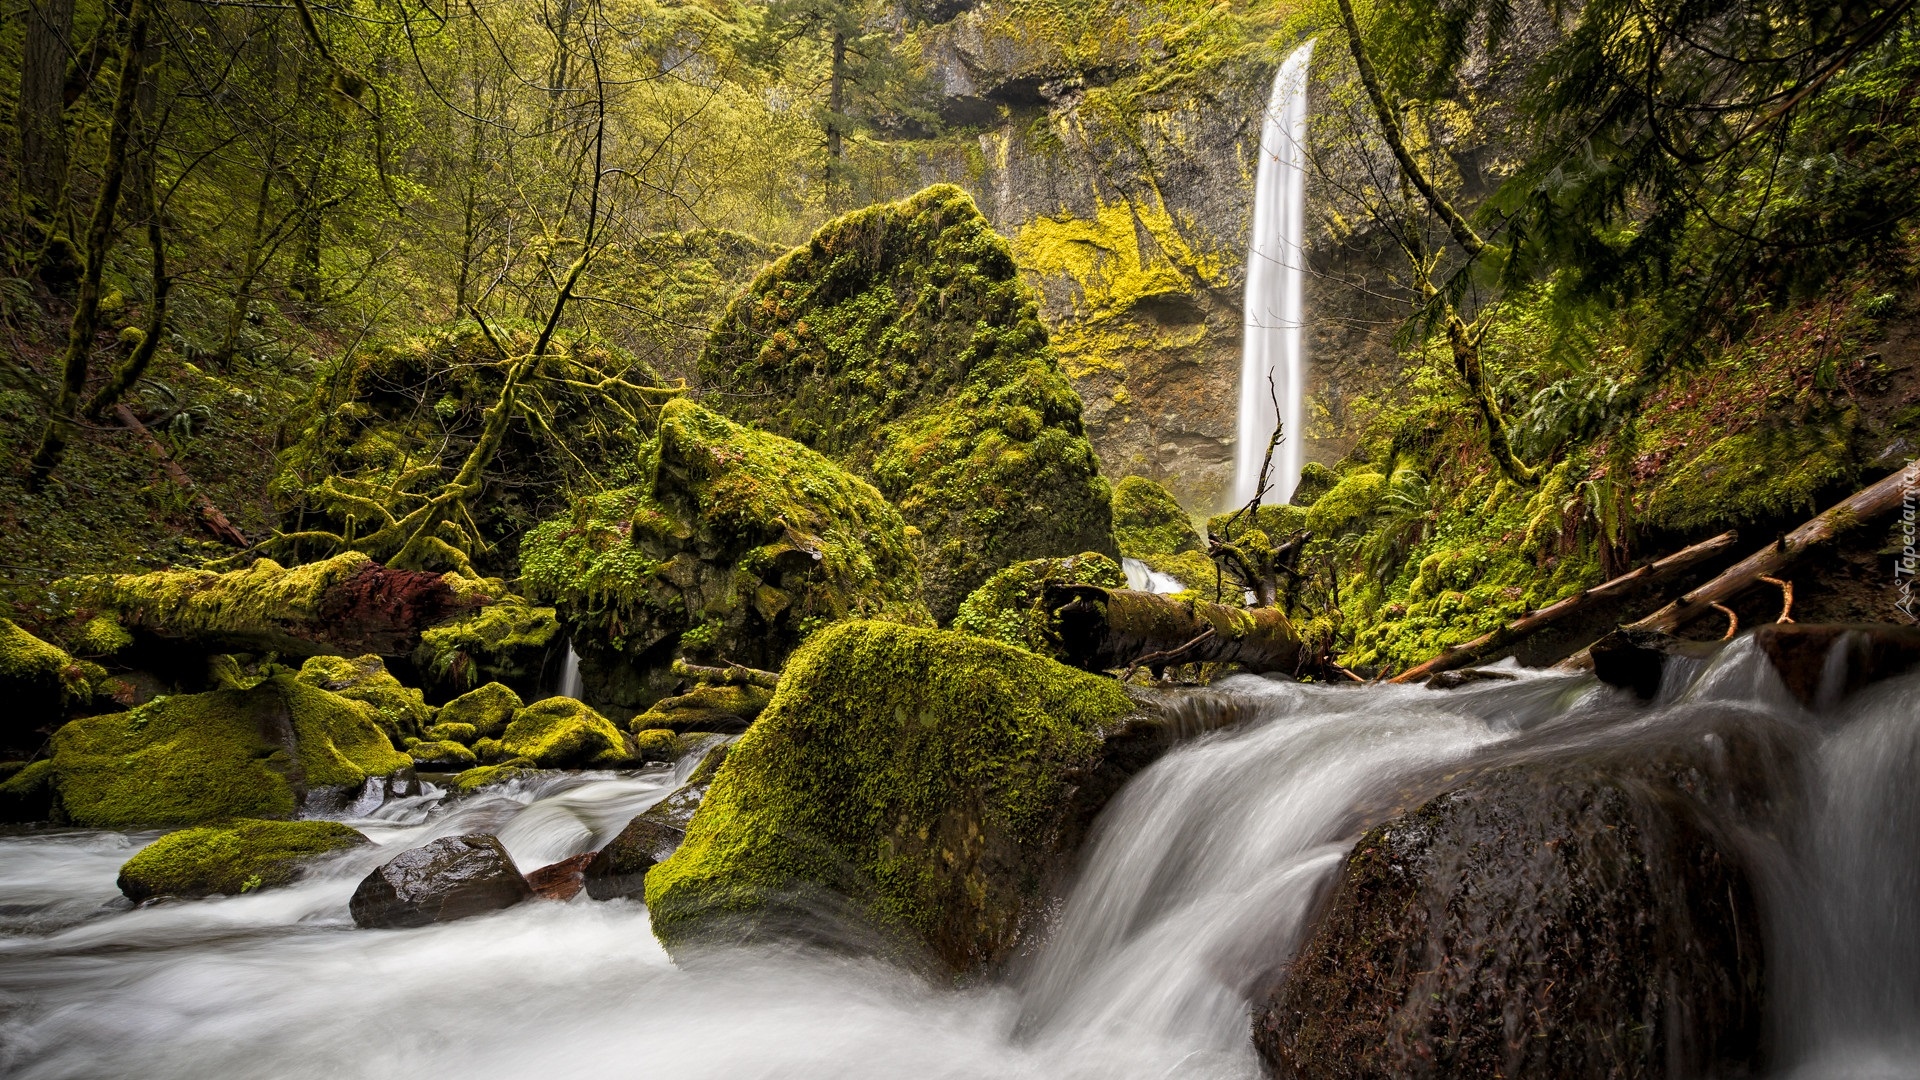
1271 347
570 685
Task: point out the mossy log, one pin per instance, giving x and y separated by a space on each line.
347 605
1855 510
1535 621
1105 629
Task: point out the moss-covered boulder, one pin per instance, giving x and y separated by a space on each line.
735 543
38 681
487 708
901 341
1348 505
464 734
401 711
724 709
237 857
509 641
1149 525
559 733
937 781
1009 607
487 776
260 752
441 755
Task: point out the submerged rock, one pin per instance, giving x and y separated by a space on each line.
260 752
562 880
1589 916
935 783
620 868
735 543
902 342
452 878
230 859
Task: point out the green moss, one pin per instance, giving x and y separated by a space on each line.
399 710
705 708
487 709
39 681
1347 506
658 744
254 602
1149 525
231 859
505 640
901 341
563 733
464 734
1760 475
489 775
737 543
1010 606
1315 480
223 754
922 773
443 755
27 794
102 636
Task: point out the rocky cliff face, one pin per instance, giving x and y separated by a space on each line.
1123 168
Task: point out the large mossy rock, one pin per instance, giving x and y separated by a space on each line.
508 641
1585 916
237 857
735 543
261 752
1149 525
401 711
38 682
559 733
901 341
487 708
936 782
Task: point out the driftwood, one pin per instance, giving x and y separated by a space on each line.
729 675
216 521
1121 629
1535 621
1856 509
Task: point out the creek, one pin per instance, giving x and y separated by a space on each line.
1201 878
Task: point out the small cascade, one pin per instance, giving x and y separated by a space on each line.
1146 578
1272 348
570 684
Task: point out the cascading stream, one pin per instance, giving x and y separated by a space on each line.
1272 355
1200 880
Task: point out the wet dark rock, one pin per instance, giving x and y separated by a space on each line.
1822 663
562 880
452 878
1573 917
620 868
1454 680
1636 659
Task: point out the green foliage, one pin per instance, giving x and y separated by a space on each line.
222 754
921 773
1348 506
1010 607
901 341
735 543
231 859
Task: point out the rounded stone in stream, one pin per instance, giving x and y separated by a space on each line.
451 878
620 868
1571 919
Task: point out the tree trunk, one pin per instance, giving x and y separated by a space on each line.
1107 629
217 522
86 313
43 76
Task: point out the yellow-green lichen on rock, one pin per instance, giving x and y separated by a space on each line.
736 543
561 733
928 776
401 711
1009 607
443 755
231 858
488 775
227 753
38 680
902 342
487 708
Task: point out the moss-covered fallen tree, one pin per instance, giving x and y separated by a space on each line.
938 782
734 545
901 342
346 605
1119 629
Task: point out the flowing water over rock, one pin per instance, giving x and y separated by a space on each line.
1203 878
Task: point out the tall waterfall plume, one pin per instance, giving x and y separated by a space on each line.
1272 347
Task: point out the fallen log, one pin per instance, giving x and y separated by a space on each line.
1853 511
1102 629
729 675
216 521
348 605
1533 622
